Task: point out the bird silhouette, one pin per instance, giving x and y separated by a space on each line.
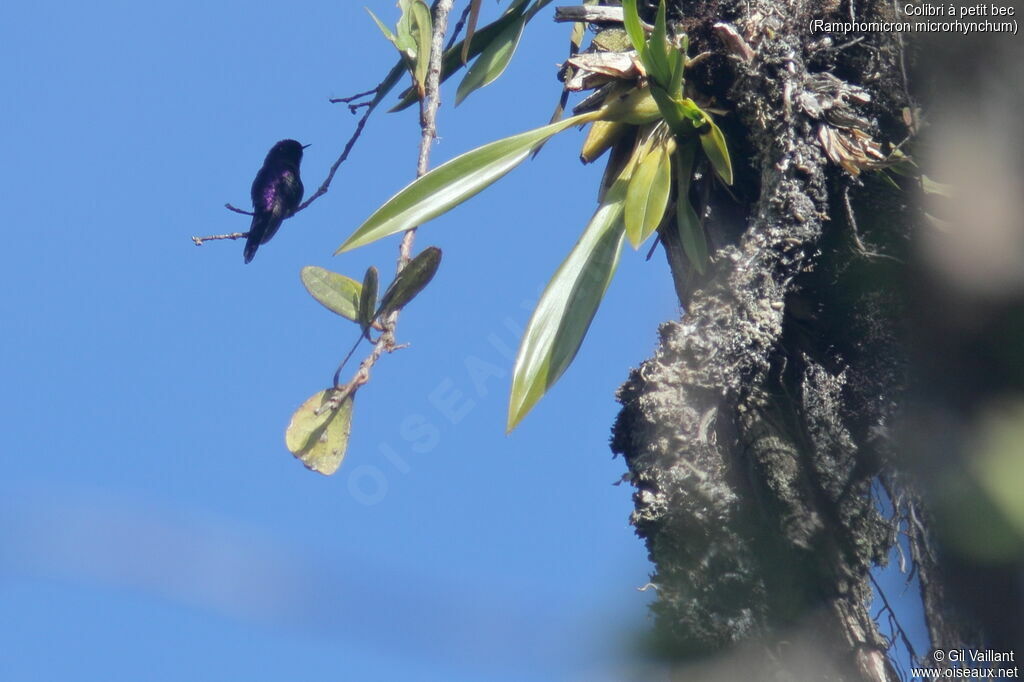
276 193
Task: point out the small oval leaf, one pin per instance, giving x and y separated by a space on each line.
318 435
492 61
368 298
337 293
410 281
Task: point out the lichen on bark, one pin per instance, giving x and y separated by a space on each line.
756 433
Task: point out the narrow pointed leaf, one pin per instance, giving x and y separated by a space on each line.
647 196
634 29
337 293
677 59
474 16
601 136
672 110
492 61
383 28
713 142
691 232
410 281
404 28
368 298
930 186
451 61
453 182
423 34
318 435
561 319
657 61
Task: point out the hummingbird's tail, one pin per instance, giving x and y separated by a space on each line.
255 238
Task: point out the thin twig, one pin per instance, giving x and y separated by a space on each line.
429 104
198 241
237 210
899 628
326 184
458 27
358 95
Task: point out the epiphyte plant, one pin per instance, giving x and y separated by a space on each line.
642 111
671 131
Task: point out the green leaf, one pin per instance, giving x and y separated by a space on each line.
453 182
337 293
634 29
410 281
423 36
672 110
561 319
691 232
368 299
493 60
474 16
647 196
383 28
677 59
657 60
452 61
713 142
318 435
404 29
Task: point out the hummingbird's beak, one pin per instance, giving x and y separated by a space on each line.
306 145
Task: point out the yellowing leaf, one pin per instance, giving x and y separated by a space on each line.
318 435
601 136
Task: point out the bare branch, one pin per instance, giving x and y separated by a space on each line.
237 210
198 241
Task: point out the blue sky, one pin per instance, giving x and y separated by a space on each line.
152 523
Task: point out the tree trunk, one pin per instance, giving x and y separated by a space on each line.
767 435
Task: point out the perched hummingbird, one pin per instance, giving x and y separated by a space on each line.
276 193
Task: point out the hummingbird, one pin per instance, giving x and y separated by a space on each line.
276 193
